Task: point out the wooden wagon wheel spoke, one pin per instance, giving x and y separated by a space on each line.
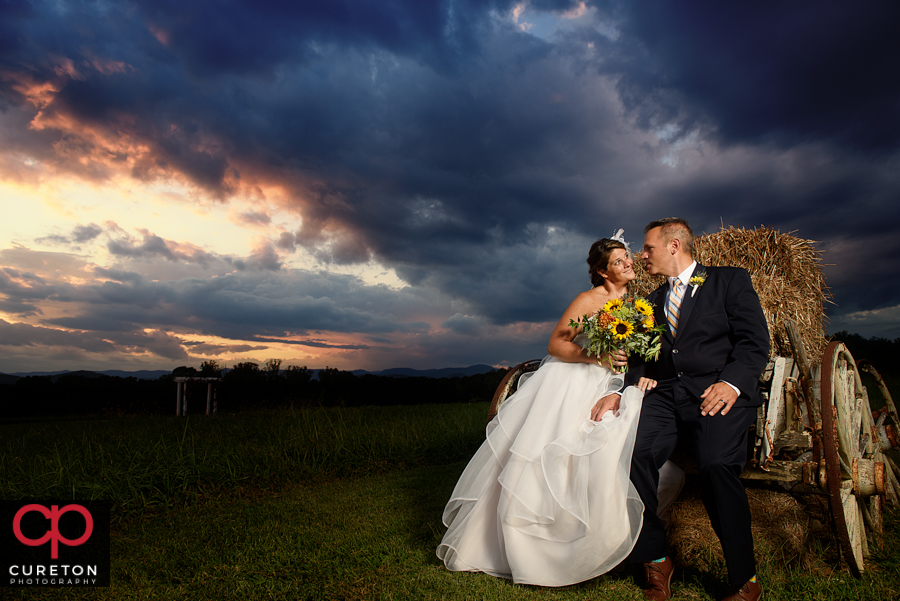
885 433
855 480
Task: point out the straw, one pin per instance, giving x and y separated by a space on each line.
786 273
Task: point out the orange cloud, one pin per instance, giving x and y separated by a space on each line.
66 68
37 93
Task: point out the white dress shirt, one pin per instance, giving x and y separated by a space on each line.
685 277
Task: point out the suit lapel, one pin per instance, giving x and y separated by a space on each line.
659 310
687 303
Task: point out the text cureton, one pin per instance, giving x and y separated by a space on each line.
51 581
52 570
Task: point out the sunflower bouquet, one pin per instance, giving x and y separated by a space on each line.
623 324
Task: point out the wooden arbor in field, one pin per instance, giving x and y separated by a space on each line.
181 396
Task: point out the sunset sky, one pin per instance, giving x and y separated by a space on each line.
368 184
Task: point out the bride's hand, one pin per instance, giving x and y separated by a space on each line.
615 360
608 403
646 384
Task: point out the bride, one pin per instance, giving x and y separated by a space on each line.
547 500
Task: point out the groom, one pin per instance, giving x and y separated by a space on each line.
713 354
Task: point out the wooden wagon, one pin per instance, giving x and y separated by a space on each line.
815 432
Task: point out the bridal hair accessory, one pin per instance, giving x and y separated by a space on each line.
697 281
619 236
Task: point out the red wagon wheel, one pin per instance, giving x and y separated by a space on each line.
854 477
509 383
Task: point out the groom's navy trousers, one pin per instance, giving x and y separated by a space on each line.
720 442
722 336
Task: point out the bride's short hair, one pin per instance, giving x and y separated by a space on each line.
598 257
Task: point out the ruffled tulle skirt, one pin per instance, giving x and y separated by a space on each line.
547 499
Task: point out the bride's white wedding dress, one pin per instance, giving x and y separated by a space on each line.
547 500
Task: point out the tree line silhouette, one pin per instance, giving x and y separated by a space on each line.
246 386
249 386
884 354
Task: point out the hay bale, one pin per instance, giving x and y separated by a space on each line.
786 273
782 532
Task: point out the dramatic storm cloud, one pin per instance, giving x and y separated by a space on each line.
370 184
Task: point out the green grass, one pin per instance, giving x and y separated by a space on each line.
374 537
145 463
319 504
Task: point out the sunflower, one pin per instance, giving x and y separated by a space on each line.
643 307
621 329
613 304
649 322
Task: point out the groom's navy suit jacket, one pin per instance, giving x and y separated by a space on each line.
722 336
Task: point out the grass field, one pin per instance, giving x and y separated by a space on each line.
322 504
142 464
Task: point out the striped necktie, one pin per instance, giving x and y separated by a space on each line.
673 305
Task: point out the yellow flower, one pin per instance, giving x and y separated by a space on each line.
621 329
643 307
649 322
613 304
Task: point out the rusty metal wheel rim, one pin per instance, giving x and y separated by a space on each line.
506 384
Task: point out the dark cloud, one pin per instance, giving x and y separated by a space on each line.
20 334
23 291
255 218
464 324
475 160
286 241
53 239
119 275
86 233
879 323
205 348
80 234
236 305
531 279
779 72
127 313
158 343
152 245
265 257
256 38
161 344
316 343
19 308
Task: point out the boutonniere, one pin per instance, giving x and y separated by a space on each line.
697 281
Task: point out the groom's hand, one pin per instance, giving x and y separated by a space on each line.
608 403
646 384
718 397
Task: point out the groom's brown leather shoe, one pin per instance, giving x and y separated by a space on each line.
751 591
659 580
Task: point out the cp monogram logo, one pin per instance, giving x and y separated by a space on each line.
53 514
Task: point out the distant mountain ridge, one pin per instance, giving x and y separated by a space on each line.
444 372
395 372
143 374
